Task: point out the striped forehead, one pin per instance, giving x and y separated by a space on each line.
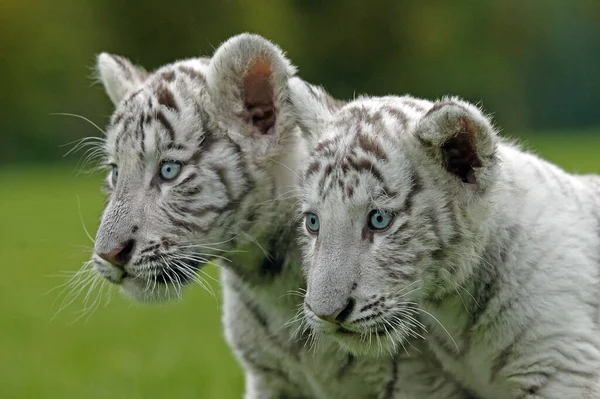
163 115
359 144
341 164
390 117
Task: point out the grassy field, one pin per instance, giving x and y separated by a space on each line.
122 350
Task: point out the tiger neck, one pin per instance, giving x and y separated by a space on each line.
258 260
266 267
462 304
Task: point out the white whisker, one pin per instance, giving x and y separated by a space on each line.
80 117
287 167
87 233
253 240
441 325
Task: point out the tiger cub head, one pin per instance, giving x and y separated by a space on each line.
196 152
393 195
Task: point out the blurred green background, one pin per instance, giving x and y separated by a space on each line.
534 64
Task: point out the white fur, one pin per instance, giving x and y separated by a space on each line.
500 261
119 76
233 199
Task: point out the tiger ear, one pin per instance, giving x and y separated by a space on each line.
248 81
461 138
313 106
118 75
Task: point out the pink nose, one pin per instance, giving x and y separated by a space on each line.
339 316
120 255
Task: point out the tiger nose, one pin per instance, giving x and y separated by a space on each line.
119 256
340 315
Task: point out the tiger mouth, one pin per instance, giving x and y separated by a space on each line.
161 274
344 331
349 333
174 274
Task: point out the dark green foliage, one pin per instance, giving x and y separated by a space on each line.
534 64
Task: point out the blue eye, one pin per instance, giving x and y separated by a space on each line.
380 220
115 175
312 223
170 170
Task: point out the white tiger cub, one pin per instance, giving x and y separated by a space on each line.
417 212
203 155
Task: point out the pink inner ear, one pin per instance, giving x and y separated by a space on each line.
258 95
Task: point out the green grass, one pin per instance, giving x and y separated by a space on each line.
123 350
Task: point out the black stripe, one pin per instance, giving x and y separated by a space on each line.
501 360
132 96
349 362
166 124
176 146
330 185
326 173
207 209
258 315
367 234
139 134
200 211
177 222
505 356
432 216
150 248
415 188
397 114
364 165
206 142
262 368
124 66
391 385
361 113
370 146
486 284
123 133
117 117
142 146
272 266
370 306
413 104
449 209
165 97
188 226
485 288
188 179
326 147
372 316
193 74
313 168
221 174
398 271
169 76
